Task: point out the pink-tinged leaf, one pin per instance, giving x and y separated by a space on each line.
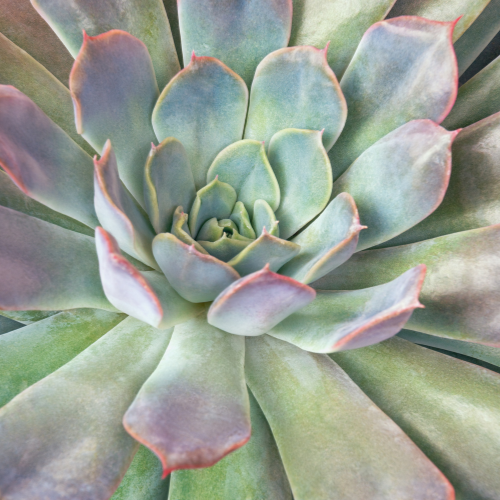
204 106
194 409
114 91
118 212
338 321
143 19
195 276
295 88
42 160
63 437
399 180
258 302
403 69
46 267
333 441
326 243
461 292
146 296
240 34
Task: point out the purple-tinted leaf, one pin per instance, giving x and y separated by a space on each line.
193 410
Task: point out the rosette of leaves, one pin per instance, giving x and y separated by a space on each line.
204 278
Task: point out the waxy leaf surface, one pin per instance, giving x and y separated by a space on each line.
195 276
337 321
114 91
240 34
204 106
74 445
264 219
254 304
399 180
326 243
461 290
421 83
449 408
194 409
304 175
323 423
295 88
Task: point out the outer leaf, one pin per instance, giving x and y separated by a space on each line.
334 442
42 159
216 199
449 408
72 445
266 249
478 36
421 83
264 219
146 296
478 98
46 267
118 212
240 34
461 292
316 22
21 24
30 354
193 410
490 355
204 107
399 180
326 243
30 77
168 183
244 165
295 88
338 321
143 479
256 303
254 471
472 199
143 19
225 248
28 317
195 276
114 91
303 170
12 197
442 10
240 216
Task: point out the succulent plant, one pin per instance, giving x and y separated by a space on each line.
204 279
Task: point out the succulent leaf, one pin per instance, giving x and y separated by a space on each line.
327 242
225 248
399 180
240 34
459 303
304 174
195 276
266 249
9 325
210 231
204 106
180 230
322 421
254 304
194 409
114 90
337 321
168 183
143 19
409 46
83 424
242 219
340 23
37 350
295 88
244 165
46 267
459 434
253 471
264 219
118 211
